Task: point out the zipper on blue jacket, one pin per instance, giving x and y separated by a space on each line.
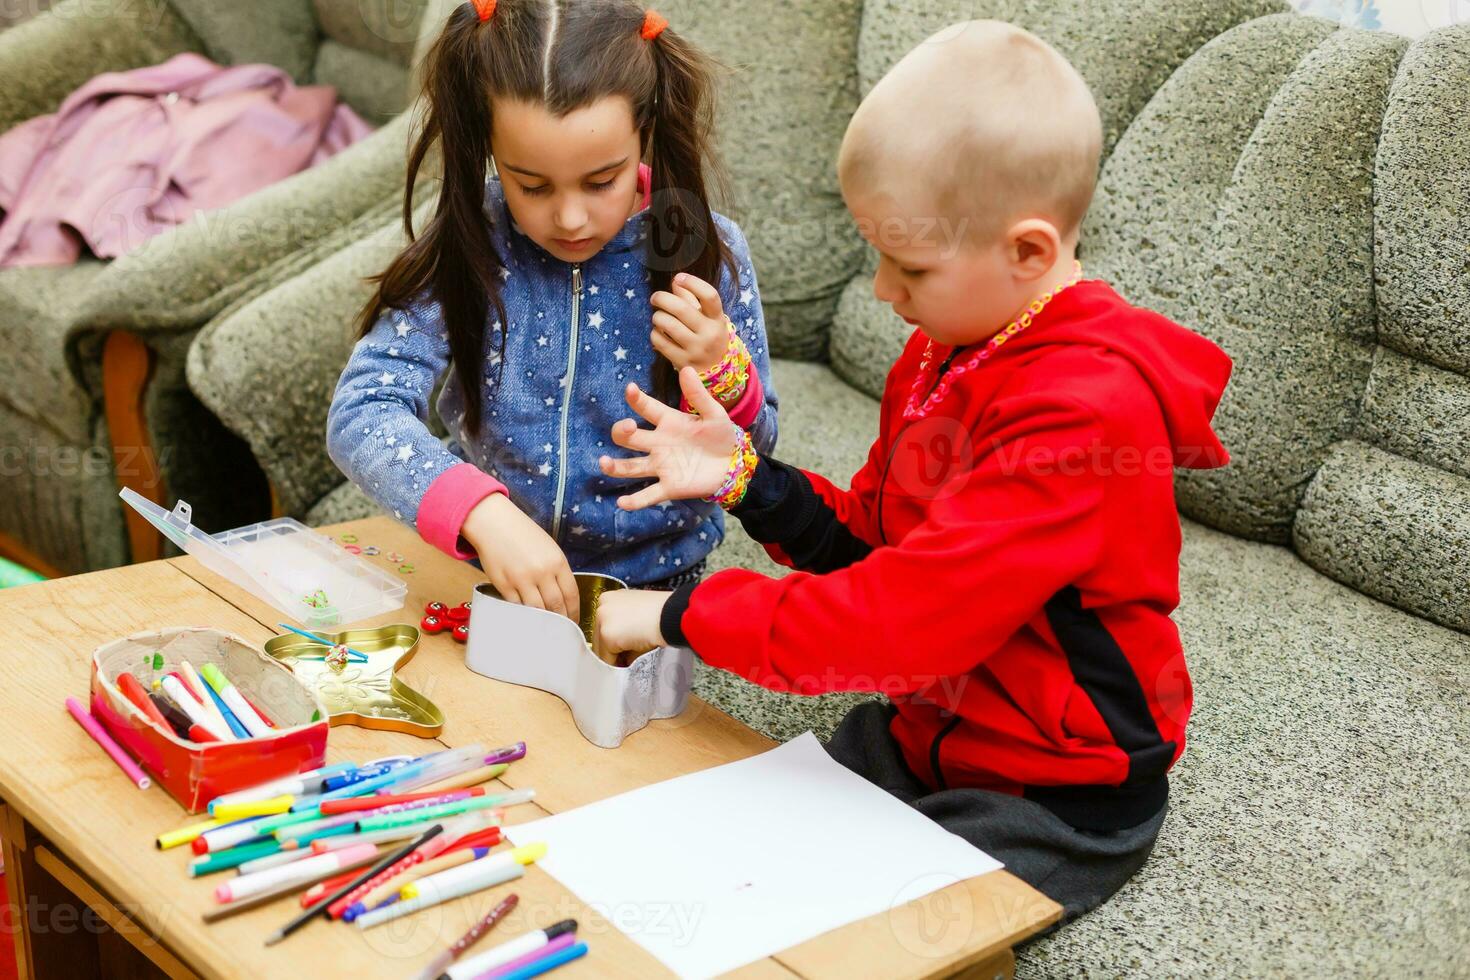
566 404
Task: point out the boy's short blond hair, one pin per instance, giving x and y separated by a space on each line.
983 122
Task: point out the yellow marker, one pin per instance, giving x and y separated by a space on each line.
479 874
231 812
185 835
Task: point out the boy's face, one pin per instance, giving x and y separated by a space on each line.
933 275
571 182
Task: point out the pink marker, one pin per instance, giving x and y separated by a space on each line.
99 735
303 871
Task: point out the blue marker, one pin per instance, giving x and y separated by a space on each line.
352 654
229 715
548 963
362 774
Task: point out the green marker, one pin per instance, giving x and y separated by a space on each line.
233 858
392 820
269 825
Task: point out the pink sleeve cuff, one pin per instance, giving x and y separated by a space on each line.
447 503
748 407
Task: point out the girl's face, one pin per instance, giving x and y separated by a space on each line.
571 183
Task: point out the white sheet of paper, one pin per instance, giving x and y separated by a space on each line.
711 871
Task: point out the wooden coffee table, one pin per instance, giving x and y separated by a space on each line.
93 897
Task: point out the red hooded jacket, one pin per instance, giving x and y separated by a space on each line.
1003 569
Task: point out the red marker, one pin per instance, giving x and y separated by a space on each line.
198 733
352 804
133 690
322 889
488 837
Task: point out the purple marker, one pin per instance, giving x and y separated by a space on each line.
508 754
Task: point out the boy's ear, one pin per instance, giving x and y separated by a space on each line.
1032 247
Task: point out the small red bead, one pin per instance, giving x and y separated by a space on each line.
436 609
462 633
432 624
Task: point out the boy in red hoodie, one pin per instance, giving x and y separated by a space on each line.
1004 565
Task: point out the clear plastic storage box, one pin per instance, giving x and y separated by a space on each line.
303 574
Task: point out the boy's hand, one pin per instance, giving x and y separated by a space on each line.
520 559
627 622
688 455
689 325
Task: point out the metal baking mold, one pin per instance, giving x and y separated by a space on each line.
535 648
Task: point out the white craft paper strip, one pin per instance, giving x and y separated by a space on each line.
717 869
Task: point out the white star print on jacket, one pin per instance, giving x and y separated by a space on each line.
548 401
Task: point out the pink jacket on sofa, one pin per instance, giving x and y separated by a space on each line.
131 154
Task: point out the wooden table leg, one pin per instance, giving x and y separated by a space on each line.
56 935
66 927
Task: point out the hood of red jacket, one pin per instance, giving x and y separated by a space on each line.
1187 372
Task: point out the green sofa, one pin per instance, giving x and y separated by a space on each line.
94 395
1296 191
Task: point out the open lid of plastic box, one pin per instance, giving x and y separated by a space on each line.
285 563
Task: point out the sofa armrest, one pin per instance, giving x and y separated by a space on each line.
46 58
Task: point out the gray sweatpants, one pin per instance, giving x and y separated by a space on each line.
1077 869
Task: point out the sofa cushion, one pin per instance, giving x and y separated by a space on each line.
386 28
1270 253
366 51
1316 823
1125 49
783 113
1422 218
1393 528
276 32
375 86
1389 513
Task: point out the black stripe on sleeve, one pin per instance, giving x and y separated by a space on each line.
782 508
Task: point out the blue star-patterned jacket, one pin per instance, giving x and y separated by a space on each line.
569 354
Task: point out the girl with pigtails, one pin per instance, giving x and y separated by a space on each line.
573 251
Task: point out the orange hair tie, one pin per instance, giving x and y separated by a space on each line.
485 8
653 25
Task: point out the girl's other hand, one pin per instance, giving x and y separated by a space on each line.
689 326
687 455
627 623
520 559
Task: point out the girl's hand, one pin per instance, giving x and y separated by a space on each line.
689 326
627 623
688 455
521 560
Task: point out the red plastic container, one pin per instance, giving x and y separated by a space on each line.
195 773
